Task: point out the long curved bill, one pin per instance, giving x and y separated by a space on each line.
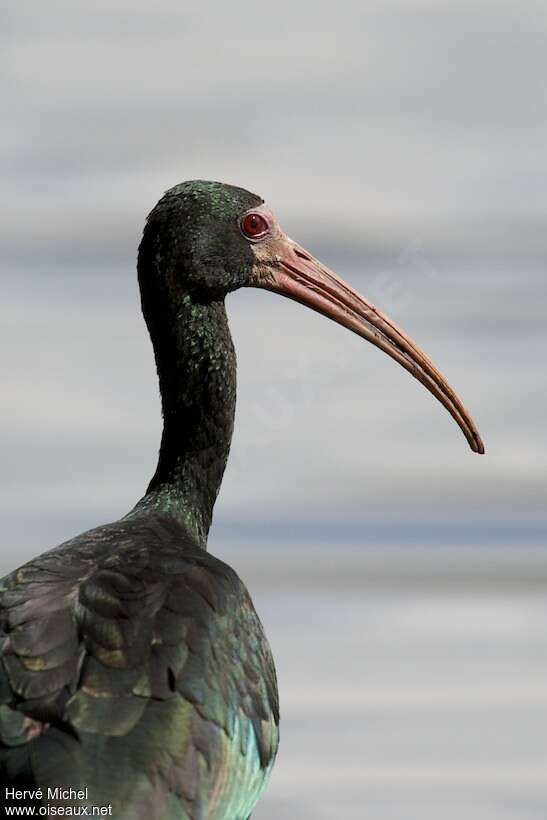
291 271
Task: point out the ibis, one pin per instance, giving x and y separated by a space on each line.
134 671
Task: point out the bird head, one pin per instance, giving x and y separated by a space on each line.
207 239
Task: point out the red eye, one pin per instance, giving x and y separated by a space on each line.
254 226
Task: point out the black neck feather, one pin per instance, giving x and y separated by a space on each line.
196 366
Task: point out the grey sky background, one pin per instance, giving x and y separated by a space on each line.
403 143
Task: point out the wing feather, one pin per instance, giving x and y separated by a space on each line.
133 662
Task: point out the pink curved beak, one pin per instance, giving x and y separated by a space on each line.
299 276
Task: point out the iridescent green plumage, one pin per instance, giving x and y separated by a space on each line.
133 662
136 666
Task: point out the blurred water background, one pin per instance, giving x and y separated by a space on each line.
402 580
412 682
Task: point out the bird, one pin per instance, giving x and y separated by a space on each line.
135 673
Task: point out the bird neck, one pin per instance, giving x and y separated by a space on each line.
196 366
